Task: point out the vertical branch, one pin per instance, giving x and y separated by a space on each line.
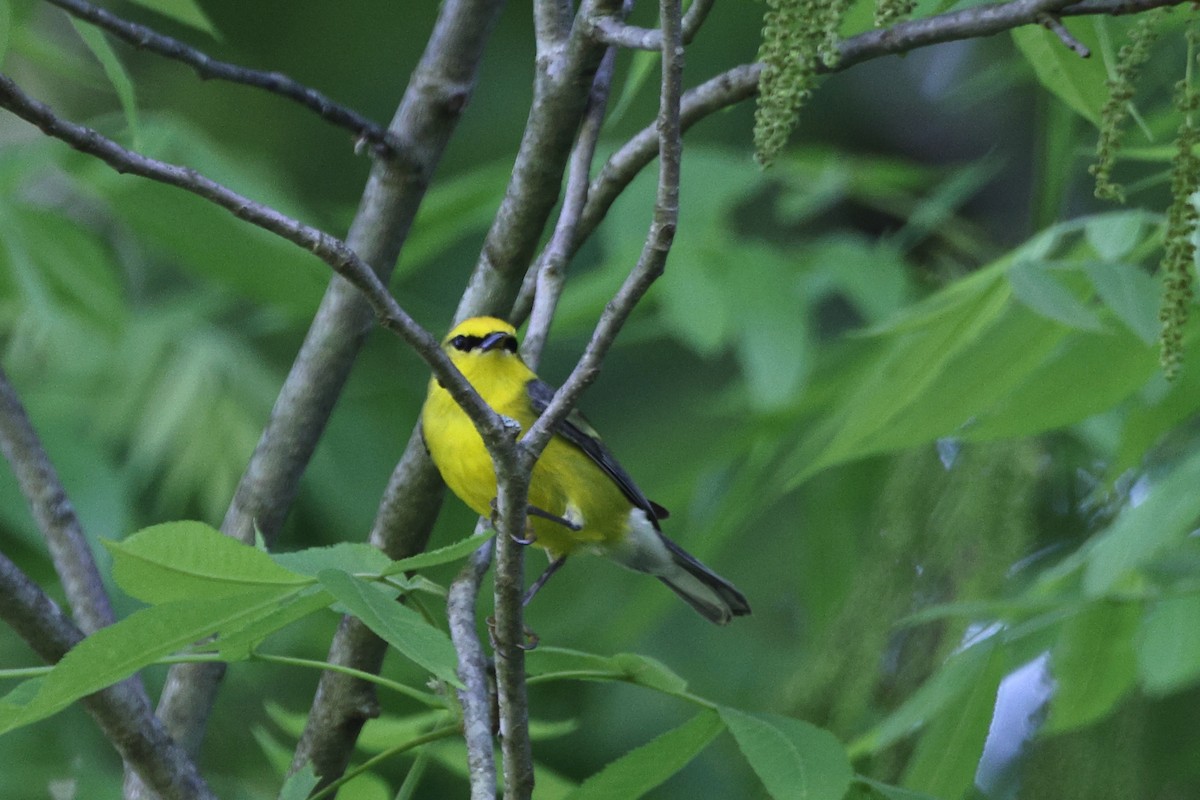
545 280
475 697
512 478
653 258
432 105
564 73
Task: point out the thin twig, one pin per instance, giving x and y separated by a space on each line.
208 67
560 94
333 251
653 258
121 710
476 697
619 33
741 82
1053 23
547 275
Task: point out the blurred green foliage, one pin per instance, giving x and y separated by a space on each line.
901 388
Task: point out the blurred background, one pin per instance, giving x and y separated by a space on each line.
909 370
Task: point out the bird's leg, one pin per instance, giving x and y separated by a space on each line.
541 581
494 519
534 511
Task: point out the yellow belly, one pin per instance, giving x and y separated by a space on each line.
566 482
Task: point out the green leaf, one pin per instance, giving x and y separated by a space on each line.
948 752
300 783
951 682
442 555
115 71
1113 236
1130 293
1094 664
114 653
187 12
402 628
1168 650
556 663
889 792
1081 83
180 560
793 759
637 772
237 644
352 557
1139 533
1035 286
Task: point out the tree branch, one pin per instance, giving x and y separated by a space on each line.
616 32
544 282
56 519
741 82
210 68
653 258
476 698
560 95
343 704
54 513
121 710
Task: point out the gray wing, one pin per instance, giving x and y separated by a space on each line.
579 432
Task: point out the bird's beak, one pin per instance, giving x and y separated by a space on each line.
493 340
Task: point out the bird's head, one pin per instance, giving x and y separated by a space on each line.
479 337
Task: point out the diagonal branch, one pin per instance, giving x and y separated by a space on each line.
560 93
208 67
333 251
544 282
54 513
741 82
653 258
121 710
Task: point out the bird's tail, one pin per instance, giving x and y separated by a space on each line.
701 588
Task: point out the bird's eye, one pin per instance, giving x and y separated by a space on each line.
465 343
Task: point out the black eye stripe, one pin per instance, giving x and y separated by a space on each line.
468 343
465 343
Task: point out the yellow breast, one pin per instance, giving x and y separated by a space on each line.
566 482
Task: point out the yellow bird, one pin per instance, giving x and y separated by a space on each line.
580 499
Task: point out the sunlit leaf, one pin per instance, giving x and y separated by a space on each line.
637 772
114 653
352 557
180 560
241 641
